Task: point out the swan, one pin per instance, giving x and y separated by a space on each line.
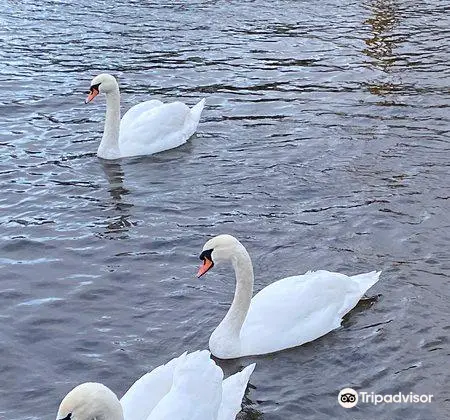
188 387
146 128
287 313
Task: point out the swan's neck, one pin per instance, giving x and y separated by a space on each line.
243 270
109 146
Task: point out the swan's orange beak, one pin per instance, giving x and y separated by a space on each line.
92 94
207 265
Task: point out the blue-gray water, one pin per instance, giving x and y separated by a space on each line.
324 144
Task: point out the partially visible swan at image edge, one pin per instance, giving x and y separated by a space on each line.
190 387
287 313
146 128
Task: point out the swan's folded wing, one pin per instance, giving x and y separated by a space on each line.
157 129
136 111
147 392
296 310
196 392
233 389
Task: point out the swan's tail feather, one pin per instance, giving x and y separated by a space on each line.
196 112
233 389
367 280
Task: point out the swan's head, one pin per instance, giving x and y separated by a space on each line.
103 83
218 249
89 401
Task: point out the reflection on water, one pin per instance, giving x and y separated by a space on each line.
230 367
249 412
382 43
115 175
119 222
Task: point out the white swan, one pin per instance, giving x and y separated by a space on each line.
187 387
146 128
287 313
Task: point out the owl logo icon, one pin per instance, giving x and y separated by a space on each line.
348 398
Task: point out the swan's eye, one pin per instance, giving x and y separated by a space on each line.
94 88
67 417
206 254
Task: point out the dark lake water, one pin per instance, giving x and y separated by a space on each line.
324 143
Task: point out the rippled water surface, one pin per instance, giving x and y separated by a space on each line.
324 144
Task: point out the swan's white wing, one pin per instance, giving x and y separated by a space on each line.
233 389
299 309
156 129
135 111
148 391
196 392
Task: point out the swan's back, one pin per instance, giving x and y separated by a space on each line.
295 310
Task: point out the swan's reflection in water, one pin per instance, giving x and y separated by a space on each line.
232 366
119 222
